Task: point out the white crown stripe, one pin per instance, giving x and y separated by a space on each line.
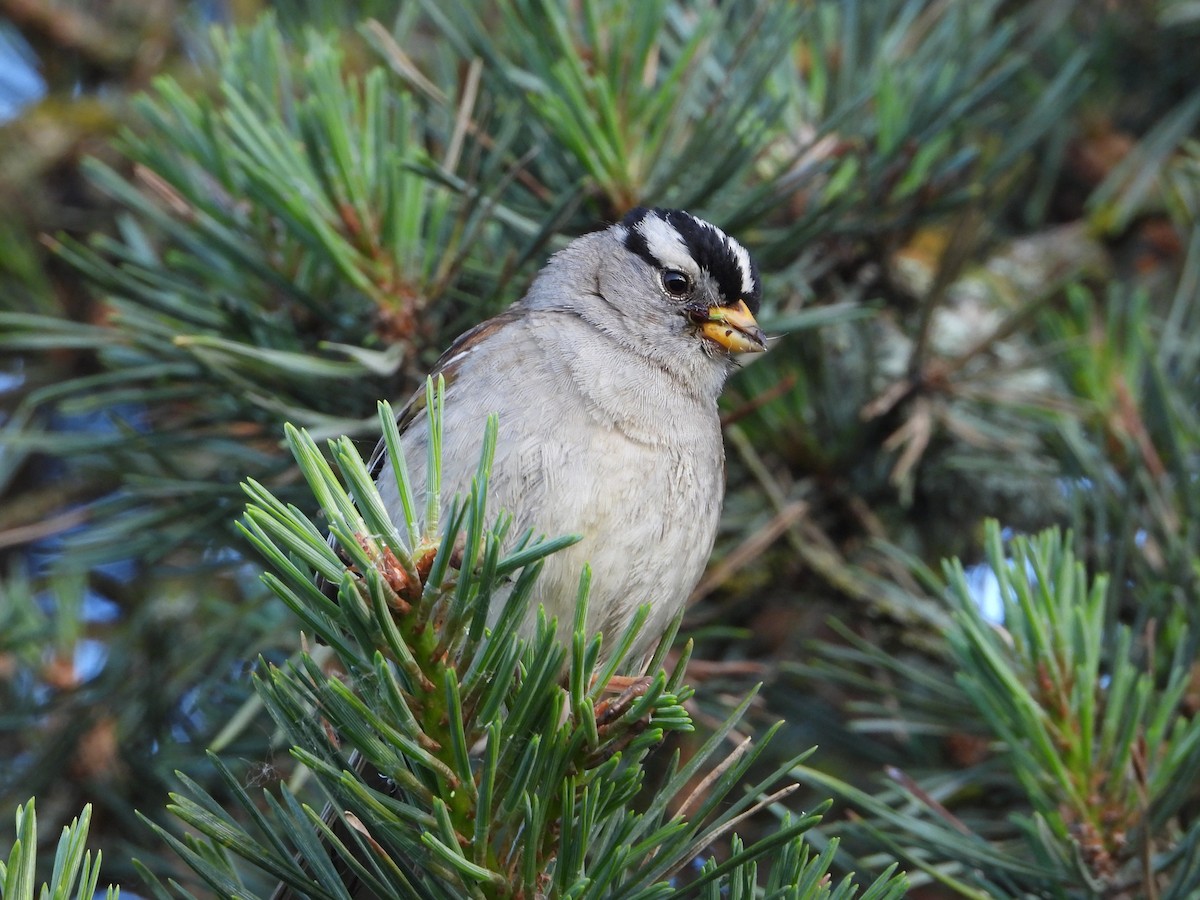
666 244
743 259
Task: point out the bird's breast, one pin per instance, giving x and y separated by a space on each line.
647 514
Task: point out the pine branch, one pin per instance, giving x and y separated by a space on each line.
505 770
75 874
1095 734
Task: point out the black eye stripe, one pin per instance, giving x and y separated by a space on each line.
707 247
635 241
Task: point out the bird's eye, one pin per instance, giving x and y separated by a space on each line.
676 283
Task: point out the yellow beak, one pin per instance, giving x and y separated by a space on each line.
734 328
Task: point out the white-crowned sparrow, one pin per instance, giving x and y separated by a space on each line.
605 378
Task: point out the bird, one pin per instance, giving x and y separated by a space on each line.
605 379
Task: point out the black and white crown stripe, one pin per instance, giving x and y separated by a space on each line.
674 239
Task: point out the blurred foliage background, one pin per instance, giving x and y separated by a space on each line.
978 225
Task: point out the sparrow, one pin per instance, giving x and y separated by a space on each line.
605 378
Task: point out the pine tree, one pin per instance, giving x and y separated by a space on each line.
978 225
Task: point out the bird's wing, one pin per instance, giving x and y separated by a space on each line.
447 366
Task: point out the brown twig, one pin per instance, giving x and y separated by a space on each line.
749 549
901 778
760 400
407 69
36 531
